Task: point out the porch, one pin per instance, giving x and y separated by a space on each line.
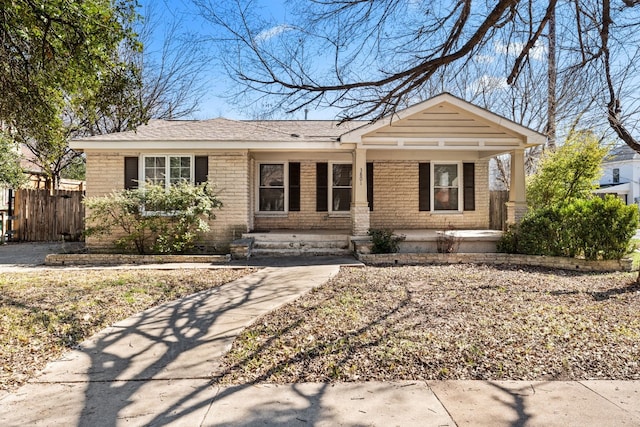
341 242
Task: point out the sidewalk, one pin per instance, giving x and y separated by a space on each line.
155 369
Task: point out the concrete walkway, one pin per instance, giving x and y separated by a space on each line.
155 369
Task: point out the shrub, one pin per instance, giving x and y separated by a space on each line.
599 228
384 241
446 241
592 228
538 233
153 219
569 173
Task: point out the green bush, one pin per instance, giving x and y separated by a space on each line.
599 228
153 219
384 241
537 234
591 228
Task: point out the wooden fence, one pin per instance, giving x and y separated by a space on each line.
42 215
498 209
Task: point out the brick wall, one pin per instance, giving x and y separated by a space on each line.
625 264
105 174
395 202
395 199
228 171
307 218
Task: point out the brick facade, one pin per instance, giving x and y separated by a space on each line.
395 199
228 171
307 218
233 174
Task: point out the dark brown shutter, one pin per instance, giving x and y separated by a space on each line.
370 185
294 186
424 186
322 189
130 173
201 169
468 178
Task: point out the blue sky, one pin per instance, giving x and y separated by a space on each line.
213 103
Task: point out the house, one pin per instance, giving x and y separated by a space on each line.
422 168
621 174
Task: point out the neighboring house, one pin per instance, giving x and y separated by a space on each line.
621 174
426 167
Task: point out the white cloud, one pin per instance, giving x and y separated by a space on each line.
268 34
537 52
488 83
484 59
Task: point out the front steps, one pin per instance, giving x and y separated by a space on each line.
296 243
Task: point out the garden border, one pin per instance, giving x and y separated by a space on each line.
119 259
575 264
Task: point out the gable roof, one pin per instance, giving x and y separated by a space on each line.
446 118
443 122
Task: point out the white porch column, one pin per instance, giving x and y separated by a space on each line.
517 204
359 203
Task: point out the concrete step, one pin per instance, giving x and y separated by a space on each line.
301 244
299 252
311 236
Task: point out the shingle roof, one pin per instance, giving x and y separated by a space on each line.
620 153
222 129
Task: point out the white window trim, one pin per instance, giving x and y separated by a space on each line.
141 168
433 188
330 190
285 212
142 181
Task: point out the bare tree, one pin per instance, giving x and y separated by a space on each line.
370 58
163 81
148 82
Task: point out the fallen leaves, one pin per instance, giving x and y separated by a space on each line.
448 322
44 313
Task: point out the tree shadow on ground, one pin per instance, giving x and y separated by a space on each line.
157 367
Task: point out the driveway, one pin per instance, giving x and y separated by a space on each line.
33 254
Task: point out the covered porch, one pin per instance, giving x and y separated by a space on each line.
423 168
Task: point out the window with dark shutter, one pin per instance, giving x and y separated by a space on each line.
322 189
130 173
201 169
370 185
424 186
468 176
294 186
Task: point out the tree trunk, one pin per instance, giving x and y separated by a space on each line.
552 78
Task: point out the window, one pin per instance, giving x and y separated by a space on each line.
448 192
445 187
167 170
341 187
616 176
271 187
334 186
157 169
278 187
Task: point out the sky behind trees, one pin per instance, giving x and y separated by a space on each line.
275 28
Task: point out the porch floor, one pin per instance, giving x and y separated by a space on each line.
340 242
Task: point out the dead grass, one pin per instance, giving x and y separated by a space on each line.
44 313
448 322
